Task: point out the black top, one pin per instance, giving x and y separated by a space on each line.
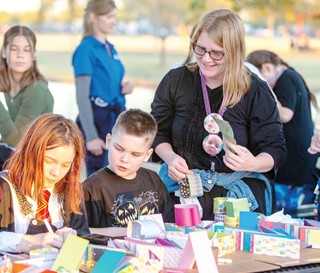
299 167
179 110
112 201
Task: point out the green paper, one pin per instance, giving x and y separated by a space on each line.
227 132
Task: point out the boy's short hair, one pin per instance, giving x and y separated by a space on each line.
138 123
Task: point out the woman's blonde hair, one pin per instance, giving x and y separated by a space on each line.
97 7
226 30
25 165
32 74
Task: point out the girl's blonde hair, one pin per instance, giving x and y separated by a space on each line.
226 30
97 7
32 74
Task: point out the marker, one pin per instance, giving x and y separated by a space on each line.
49 228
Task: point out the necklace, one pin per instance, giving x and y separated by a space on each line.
211 119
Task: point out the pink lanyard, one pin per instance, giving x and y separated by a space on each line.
206 98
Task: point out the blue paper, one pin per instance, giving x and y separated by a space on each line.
108 262
248 220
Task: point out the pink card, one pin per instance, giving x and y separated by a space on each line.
198 249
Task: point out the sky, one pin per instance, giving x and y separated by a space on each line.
19 5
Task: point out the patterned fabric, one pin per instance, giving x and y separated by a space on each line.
42 210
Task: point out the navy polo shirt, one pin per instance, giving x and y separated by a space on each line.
92 59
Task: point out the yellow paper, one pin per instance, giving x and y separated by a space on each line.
314 237
70 254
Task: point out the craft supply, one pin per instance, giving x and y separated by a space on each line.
219 206
143 229
49 228
187 215
231 221
191 186
224 261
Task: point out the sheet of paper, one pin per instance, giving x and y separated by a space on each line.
198 249
70 254
108 262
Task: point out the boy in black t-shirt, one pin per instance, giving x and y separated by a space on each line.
123 190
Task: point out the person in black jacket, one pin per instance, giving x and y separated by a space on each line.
221 85
295 180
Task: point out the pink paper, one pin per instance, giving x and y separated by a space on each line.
187 215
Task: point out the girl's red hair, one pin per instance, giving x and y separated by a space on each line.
25 165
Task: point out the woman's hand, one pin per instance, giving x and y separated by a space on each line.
29 242
315 143
127 88
239 158
96 146
178 168
64 232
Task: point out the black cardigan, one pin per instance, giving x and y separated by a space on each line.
179 110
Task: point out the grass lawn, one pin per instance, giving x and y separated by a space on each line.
141 57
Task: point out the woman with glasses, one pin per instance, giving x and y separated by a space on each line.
218 85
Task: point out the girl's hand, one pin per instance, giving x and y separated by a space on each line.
64 232
29 242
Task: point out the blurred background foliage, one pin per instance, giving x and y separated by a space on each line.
164 17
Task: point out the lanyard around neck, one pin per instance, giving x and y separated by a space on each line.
206 97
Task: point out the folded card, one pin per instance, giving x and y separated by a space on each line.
234 206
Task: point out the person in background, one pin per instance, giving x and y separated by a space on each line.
123 190
295 180
40 187
25 89
100 87
218 84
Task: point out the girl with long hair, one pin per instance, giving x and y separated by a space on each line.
47 162
25 89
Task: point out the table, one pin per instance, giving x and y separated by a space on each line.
242 261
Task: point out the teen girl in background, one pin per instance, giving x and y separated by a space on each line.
25 89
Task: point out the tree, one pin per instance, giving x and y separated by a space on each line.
45 7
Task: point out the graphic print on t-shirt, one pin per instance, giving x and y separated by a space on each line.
127 207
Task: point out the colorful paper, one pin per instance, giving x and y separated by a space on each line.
275 246
187 215
226 243
140 265
168 256
71 253
198 249
108 262
234 206
248 220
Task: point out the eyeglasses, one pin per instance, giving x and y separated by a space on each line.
214 55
